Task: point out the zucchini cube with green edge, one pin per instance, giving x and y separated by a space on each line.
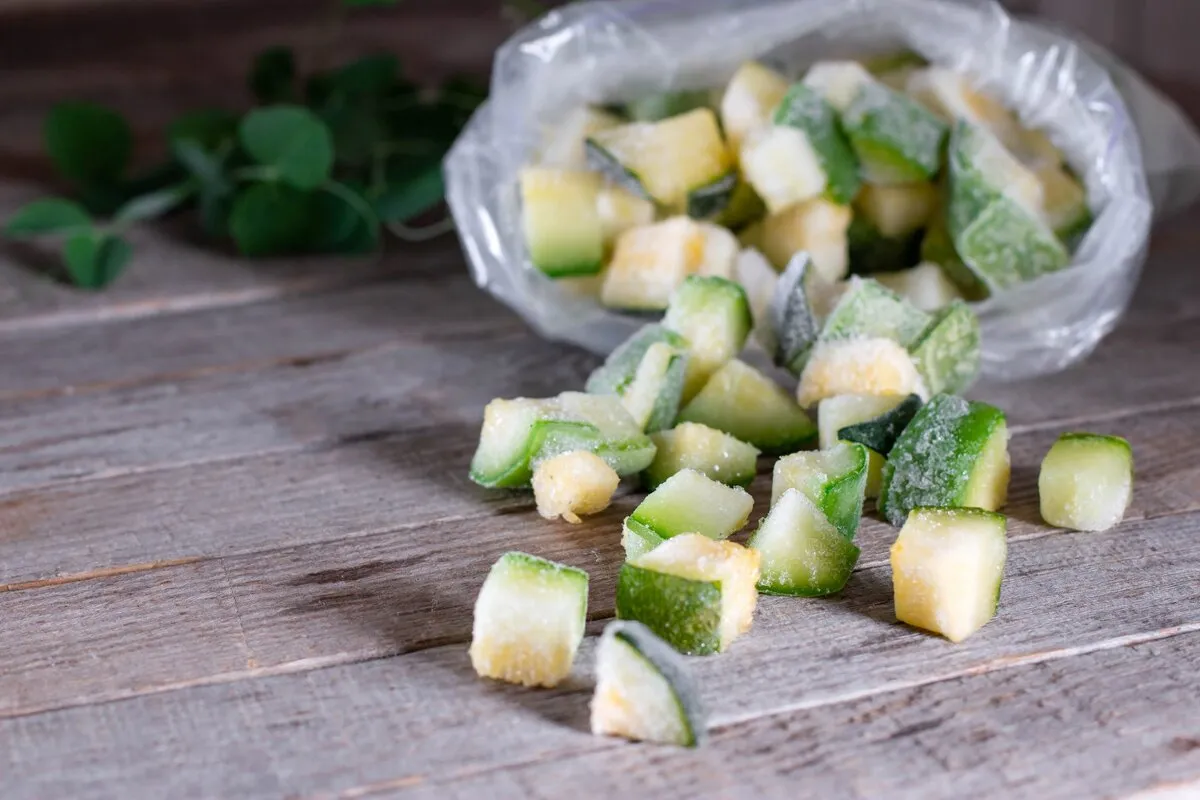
835 480
858 366
573 484
651 261
817 227
517 433
900 210
643 689
695 593
806 110
937 247
947 566
750 100
677 162
563 144
621 210
867 309
745 207
954 454
529 620
947 352
1086 482
873 421
803 554
712 315
800 302
1064 202
563 232
783 167
693 446
647 373
748 405
691 502
926 286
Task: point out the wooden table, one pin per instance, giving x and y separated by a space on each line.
239 553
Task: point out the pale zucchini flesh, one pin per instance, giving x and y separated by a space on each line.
858 366
1086 482
563 232
834 480
691 502
783 166
714 453
647 373
817 227
803 554
750 100
651 261
713 316
926 286
573 484
807 110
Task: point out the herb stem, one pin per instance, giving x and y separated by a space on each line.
424 233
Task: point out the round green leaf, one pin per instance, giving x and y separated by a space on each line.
88 143
95 260
48 215
272 218
209 128
291 139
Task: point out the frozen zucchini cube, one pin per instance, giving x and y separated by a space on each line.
750 100
817 227
806 110
868 310
563 232
573 484
947 351
1086 482
748 405
619 211
803 554
691 502
834 480
858 366
647 373
947 565
873 421
712 315
783 166
650 262
899 210
529 620
926 286
714 453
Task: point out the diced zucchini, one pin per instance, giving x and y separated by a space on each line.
817 227
783 166
994 213
879 433
573 484
621 210
714 453
643 689
721 250
803 554
858 366
758 279
841 414
900 210
666 161
872 253
895 138
563 232
748 405
750 101
950 96
868 310
925 286
938 248
834 480
806 110
954 454
712 200
745 207
1086 482
696 593
691 502
655 107
651 261
516 433
638 539
796 311
529 620
947 565
947 352
1065 204
713 316
563 146
647 373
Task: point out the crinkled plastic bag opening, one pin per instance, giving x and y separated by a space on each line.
599 52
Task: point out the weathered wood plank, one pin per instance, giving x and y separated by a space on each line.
424 714
1105 724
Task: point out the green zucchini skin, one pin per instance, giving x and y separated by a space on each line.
684 613
805 109
709 202
881 433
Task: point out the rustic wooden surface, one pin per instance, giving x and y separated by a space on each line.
238 549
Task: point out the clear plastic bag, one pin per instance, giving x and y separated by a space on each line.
1096 110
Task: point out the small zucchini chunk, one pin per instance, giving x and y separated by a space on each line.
748 405
697 594
563 232
712 315
947 351
926 286
898 211
691 502
619 211
817 227
758 279
517 433
937 247
995 213
573 484
529 620
798 308
750 100
783 166
651 261
834 480
1086 482
954 454
803 554
709 451
895 138
947 565
1064 201
563 146
647 373
870 421
806 110
643 689
869 310
950 96
674 162
858 366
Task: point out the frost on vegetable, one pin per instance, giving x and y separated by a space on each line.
858 366
834 480
748 405
647 373
691 502
709 451
573 484
1086 482
803 554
